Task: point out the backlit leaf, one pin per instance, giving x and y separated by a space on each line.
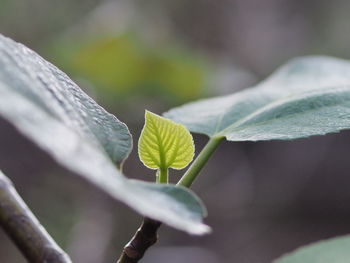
164 143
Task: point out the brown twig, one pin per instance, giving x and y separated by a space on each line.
24 228
144 237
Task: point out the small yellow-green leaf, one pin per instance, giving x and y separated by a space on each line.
164 143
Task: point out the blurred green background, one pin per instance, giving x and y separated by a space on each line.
264 199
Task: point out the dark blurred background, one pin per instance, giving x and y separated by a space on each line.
264 199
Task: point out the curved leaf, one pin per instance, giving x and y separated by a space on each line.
308 96
46 106
335 250
182 194
164 143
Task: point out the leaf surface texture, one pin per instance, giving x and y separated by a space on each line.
307 96
47 107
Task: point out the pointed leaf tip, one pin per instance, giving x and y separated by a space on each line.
164 143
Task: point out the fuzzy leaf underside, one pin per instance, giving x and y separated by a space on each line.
335 250
307 96
44 105
165 144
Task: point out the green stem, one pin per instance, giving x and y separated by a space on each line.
162 176
192 172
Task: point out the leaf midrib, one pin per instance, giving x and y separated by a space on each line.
162 161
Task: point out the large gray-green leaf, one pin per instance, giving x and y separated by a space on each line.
307 96
334 250
47 107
